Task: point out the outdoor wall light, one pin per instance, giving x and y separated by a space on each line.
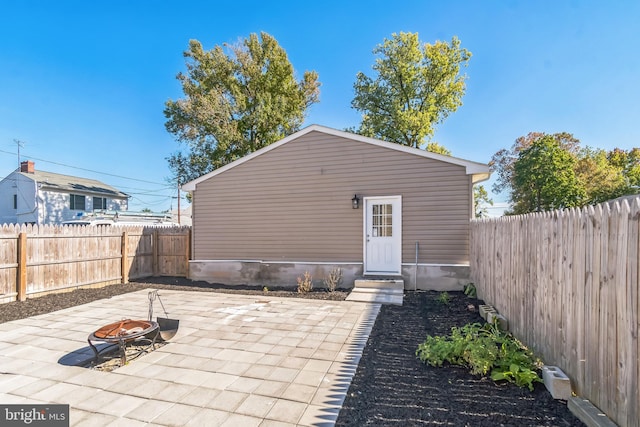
355 202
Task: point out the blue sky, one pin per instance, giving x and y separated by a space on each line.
83 83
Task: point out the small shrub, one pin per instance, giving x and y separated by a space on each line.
444 298
470 290
483 349
334 280
305 283
265 289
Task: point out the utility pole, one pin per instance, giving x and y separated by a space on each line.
179 223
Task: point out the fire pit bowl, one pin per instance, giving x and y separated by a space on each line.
126 329
123 332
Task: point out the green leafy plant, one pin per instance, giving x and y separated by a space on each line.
484 349
517 374
334 280
305 283
444 298
265 289
470 290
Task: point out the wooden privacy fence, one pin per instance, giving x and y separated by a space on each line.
567 281
43 259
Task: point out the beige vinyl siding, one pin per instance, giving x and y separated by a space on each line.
293 203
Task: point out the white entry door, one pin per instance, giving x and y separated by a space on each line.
383 235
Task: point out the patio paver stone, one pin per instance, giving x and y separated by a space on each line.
236 360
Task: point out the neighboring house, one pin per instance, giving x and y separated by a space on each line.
323 198
30 196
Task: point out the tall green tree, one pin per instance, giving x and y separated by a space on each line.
544 178
502 162
434 147
416 86
601 179
601 175
629 163
237 99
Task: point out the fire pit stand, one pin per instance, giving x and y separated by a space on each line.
124 332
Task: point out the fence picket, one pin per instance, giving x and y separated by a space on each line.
576 370
570 284
621 317
633 278
604 296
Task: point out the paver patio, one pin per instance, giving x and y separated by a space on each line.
236 360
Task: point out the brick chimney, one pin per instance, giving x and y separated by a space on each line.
27 166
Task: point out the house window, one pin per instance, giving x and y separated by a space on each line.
77 202
15 201
99 203
382 220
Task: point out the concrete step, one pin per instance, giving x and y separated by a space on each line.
376 297
378 291
380 283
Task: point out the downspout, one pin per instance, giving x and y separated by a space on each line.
415 273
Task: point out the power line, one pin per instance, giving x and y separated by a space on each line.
87 170
133 189
148 195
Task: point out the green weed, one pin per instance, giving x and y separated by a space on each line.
444 298
470 290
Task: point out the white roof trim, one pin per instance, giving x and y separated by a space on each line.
480 171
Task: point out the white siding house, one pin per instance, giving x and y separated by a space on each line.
29 196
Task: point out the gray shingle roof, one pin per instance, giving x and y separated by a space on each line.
66 183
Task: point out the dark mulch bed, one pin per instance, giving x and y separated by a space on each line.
45 304
391 385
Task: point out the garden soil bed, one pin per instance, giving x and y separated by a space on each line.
391 385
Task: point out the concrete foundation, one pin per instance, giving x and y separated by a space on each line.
435 277
263 273
259 273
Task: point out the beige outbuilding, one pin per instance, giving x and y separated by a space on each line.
323 198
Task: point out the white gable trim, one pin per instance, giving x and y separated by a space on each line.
480 171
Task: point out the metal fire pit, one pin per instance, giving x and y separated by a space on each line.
124 332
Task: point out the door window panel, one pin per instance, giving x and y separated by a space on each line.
382 220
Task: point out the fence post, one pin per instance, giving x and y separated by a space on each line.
125 258
21 272
188 254
154 245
